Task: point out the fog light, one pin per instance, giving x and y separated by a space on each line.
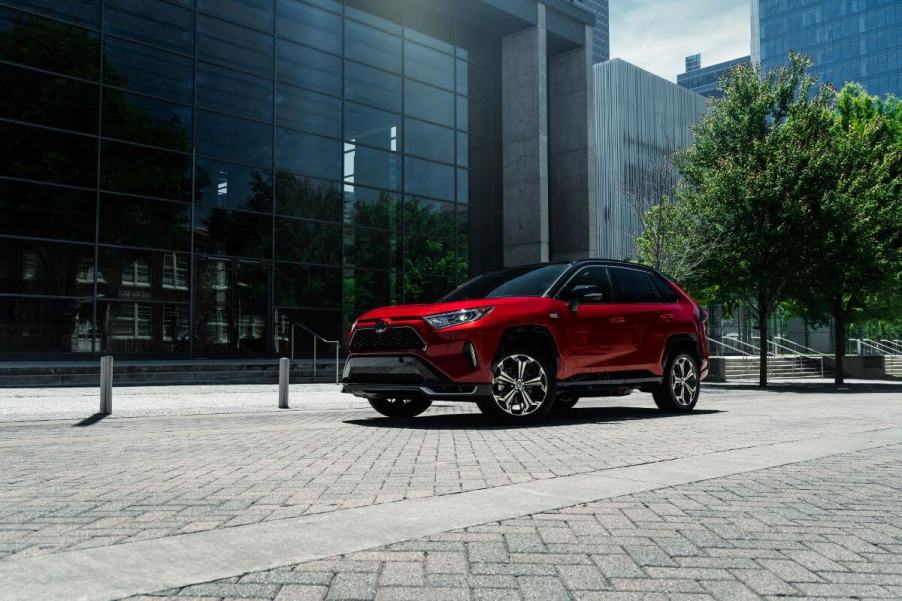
470 353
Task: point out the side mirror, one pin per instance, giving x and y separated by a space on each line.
585 293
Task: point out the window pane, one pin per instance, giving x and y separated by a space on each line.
371 126
25 208
429 27
300 196
231 186
141 69
224 232
45 326
146 120
84 12
47 99
308 154
428 103
429 141
30 267
633 286
63 48
308 68
372 248
235 139
308 25
42 154
373 87
308 241
372 46
384 15
307 286
595 275
137 170
143 275
424 178
429 217
232 92
665 292
462 77
325 322
130 327
421 288
463 113
365 289
235 46
309 111
129 221
428 65
372 208
231 307
151 21
253 13
371 167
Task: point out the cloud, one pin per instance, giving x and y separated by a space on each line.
657 35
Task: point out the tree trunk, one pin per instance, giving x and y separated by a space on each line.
762 351
839 342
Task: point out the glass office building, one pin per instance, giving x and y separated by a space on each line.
188 178
705 80
849 40
601 39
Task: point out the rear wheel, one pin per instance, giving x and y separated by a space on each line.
523 386
681 386
397 407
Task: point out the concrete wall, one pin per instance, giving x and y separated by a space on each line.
638 117
571 154
525 144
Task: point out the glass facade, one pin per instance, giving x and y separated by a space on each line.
704 80
190 178
848 40
601 42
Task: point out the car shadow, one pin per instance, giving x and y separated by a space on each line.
577 415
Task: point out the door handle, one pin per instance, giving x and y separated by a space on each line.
618 319
665 316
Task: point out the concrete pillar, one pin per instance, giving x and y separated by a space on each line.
524 127
571 150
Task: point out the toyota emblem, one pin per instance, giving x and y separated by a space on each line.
381 326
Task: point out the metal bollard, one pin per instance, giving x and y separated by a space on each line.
106 385
284 367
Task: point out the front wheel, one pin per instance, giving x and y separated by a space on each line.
523 387
681 386
399 407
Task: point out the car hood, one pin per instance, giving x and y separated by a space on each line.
408 312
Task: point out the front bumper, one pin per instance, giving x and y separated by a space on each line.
404 375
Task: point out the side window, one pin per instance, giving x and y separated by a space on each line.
667 294
633 286
594 275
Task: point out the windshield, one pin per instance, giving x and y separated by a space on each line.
531 280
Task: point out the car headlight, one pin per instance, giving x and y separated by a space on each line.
455 318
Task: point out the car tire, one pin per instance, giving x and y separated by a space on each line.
530 400
679 391
399 408
565 402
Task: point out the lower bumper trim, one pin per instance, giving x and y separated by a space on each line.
457 392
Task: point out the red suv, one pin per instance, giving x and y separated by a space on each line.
525 340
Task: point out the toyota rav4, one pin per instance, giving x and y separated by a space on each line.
523 341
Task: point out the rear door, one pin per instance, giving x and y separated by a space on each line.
648 315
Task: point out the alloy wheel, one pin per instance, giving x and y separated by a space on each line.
683 381
519 385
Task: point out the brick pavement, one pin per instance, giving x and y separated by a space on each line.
123 480
824 529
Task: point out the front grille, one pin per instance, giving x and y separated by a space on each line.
367 340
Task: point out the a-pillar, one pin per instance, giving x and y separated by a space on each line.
524 99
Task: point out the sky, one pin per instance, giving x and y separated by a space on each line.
657 35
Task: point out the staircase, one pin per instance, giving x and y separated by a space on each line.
893 366
779 367
149 373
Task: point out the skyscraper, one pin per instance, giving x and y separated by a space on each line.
601 41
703 80
849 40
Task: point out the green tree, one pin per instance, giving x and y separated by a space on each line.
752 163
853 249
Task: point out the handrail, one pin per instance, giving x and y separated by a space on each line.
316 337
879 345
894 345
801 346
728 347
748 344
867 343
